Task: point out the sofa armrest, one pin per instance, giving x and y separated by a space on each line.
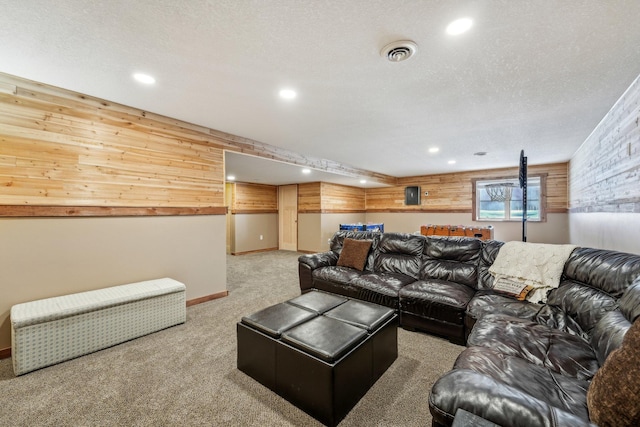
321 259
308 263
493 401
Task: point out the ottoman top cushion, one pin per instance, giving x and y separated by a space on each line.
318 302
276 319
325 338
361 314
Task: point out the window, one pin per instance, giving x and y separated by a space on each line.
501 199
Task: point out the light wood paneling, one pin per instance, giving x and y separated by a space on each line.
605 171
310 197
453 192
323 197
58 148
254 198
342 199
70 111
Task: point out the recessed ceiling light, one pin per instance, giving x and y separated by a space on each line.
459 26
480 153
363 181
434 149
306 171
452 162
288 94
144 78
231 178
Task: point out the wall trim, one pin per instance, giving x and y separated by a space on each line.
329 211
622 207
255 251
418 211
5 353
207 298
253 211
105 211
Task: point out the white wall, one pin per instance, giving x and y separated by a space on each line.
616 231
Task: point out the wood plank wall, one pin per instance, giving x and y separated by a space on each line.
254 198
605 171
324 197
309 197
59 148
342 199
453 192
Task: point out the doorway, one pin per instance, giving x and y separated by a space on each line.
288 217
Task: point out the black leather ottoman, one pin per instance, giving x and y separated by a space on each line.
258 335
376 320
324 363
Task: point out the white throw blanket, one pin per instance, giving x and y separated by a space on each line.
538 265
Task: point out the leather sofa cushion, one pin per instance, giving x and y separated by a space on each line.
453 259
538 344
488 254
608 334
336 274
613 394
436 299
354 253
399 253
460 249
487 302
569 394
494 401
630 301
611 271
578 305
380 288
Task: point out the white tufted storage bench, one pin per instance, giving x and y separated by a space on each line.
52 330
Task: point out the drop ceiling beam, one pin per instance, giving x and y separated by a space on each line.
259 149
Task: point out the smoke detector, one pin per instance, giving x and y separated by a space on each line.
399 51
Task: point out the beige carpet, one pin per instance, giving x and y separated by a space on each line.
187 375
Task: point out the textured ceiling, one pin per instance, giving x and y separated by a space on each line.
536 75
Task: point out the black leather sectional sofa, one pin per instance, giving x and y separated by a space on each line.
429 280
525 364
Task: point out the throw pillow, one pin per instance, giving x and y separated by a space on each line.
354 253
512 288
612 397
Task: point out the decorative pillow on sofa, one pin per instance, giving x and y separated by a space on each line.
612 397
354 253
512 288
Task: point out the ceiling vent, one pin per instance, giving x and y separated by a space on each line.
399 51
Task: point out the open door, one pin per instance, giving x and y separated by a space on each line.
288 217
